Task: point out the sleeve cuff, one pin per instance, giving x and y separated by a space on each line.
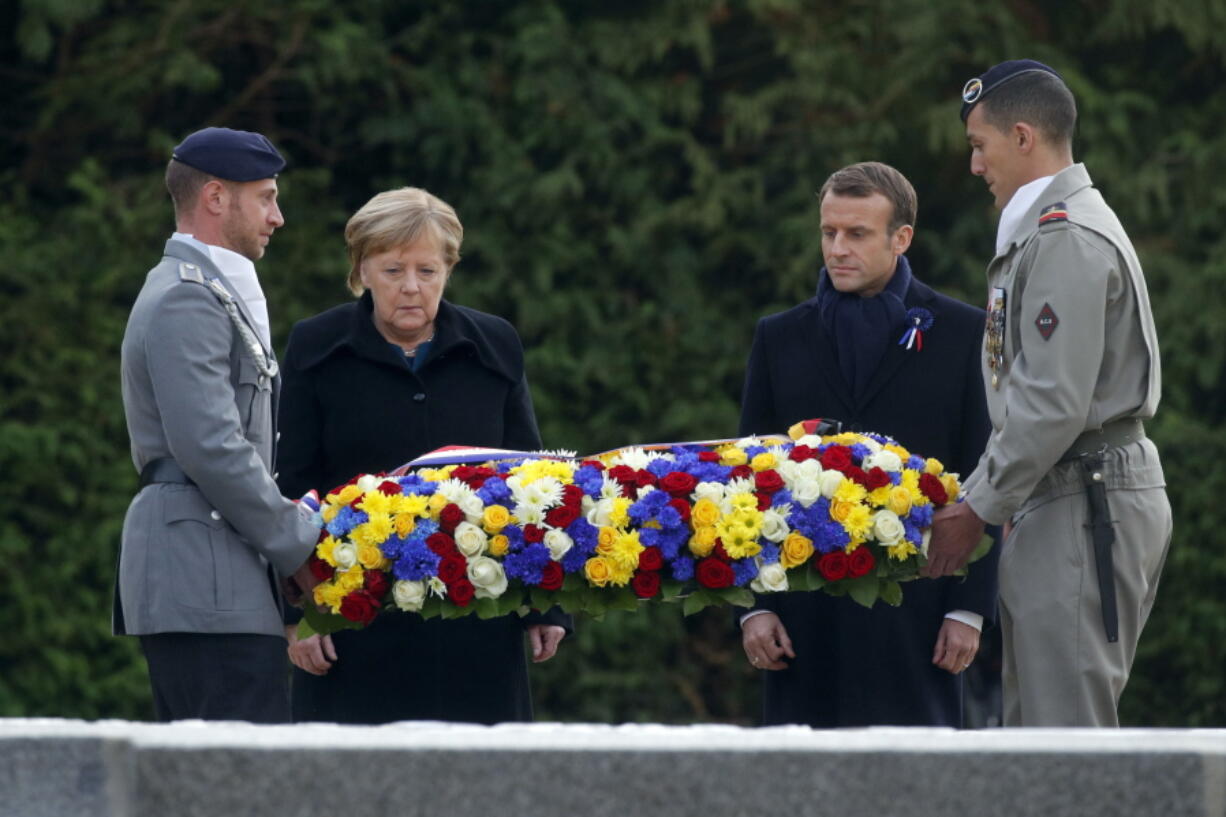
751 614
965 616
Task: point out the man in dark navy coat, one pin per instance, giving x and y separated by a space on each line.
829 661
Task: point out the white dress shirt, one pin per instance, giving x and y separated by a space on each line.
239 271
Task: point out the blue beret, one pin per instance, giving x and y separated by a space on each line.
235 155
977 88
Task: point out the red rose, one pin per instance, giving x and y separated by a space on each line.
572 496
644 478
376 583
708 456
768 481
876 478
461 593
932 488
597 464
801 453
718 551
678 483
860 562
683 509
714 573
389 488
360 606
321 569
560 516
552 576
651 559
533 534
645 584
452 568
741 472
622 473
833 566
764 500
837 457
440 543
450 517
856 474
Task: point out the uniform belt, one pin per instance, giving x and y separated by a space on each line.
1112 435
163 469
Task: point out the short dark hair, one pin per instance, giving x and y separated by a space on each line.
863 179
184 184
1037 98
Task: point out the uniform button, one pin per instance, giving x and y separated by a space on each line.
215 515
276 474
419 397
278 436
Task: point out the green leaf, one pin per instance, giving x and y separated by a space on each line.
981 550
891 592
486 608
863 590
326 623
738 596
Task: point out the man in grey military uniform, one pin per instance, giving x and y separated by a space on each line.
1071 371
208 537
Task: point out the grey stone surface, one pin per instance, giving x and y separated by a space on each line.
121 770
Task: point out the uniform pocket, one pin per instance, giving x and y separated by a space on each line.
253 394
189 555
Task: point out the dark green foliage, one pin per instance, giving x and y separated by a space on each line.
637 184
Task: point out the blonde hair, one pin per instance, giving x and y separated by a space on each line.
398 218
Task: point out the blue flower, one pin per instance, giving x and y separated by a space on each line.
494 492
683 568
744 571
414 561
528 564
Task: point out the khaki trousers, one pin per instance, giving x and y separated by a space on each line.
1059 669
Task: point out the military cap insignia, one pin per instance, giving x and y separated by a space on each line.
1047 321
1053 212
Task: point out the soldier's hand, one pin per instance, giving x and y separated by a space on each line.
956 531
766 641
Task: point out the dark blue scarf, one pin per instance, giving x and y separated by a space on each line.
862 328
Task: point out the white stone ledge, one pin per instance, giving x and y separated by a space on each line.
122 769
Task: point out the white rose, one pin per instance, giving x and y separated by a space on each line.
558 542
368 482
888 528
473 507
774 524
600 513
772 578
809 469
345 554
470 539
830 482
811 440
885 460
788 470
409 596
487 577
806 491
871 444
712 491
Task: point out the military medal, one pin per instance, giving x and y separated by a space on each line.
919 321
996 334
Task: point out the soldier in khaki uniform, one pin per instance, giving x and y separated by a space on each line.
1071 371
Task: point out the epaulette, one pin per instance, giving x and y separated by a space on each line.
1053 212
190 272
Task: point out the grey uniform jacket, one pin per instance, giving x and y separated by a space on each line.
195 557
1070 344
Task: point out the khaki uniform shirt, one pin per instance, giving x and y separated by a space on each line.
1070 343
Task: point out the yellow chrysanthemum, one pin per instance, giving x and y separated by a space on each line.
531 471
374 502
763 461
404 524
903 550
796 550
329 512
414 504
598 570
743 502
374 531
331 595
899 500
620 513
846 438
849 491
438 474
351 579
705 513
739 541
703 541
733 456
880 497
498 545
903 454
933 466
347 494
859 522
621 575
626 550
910 481
495 518
852 546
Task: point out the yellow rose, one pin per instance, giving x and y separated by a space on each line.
599 571
499 545
796 550
703 541
348 494
762 461
951 485
903 454
370 557
704 514
839 510
733 456
404 523
329 512
606 538
899 500
495 518
933 466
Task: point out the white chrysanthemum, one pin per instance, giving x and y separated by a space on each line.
775 526
711 491
740 486
771 578
637 458
558 542
810 440
544 492
437 586
455 491
610 489
885 460
530 514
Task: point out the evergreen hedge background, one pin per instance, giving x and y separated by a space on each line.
637 181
